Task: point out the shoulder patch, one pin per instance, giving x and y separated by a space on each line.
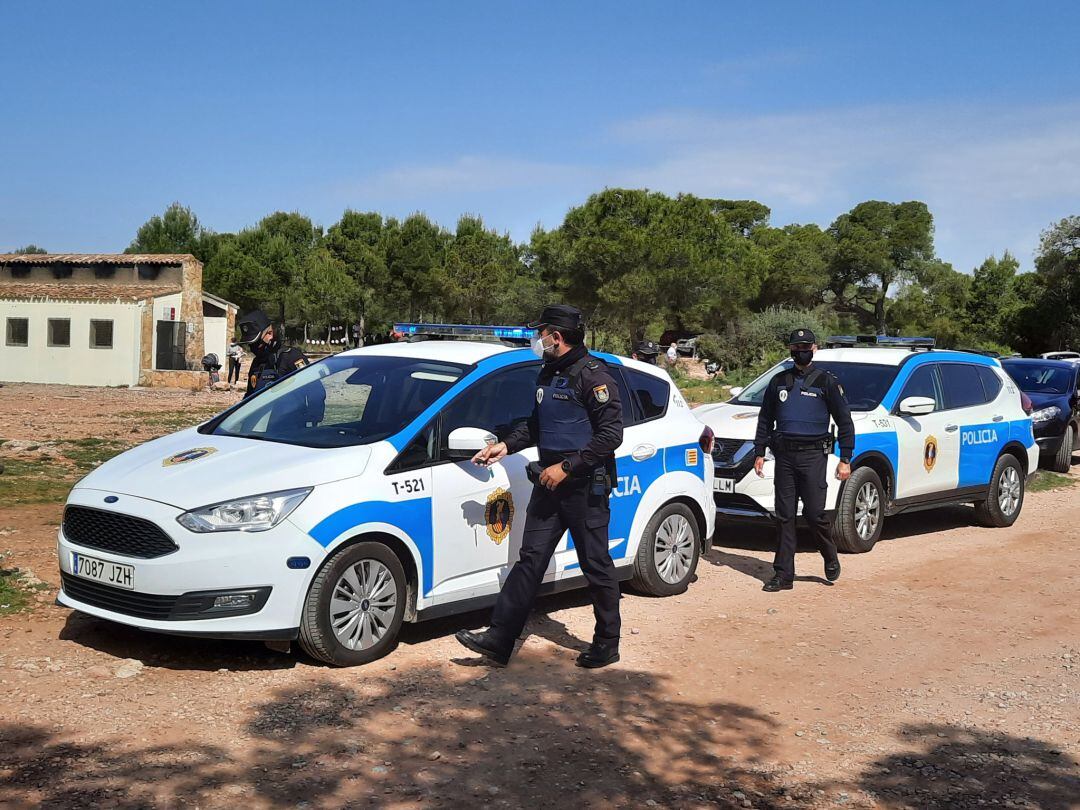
601 393
592 365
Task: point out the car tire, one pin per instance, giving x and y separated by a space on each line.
1062 460
370 578
860 512
1005 496
667 556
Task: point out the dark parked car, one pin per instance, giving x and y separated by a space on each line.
1053 386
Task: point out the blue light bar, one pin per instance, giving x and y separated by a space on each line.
886 341
464 330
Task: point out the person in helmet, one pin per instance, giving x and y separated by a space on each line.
272 359
646 351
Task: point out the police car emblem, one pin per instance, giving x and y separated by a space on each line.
601 394
930 453
539 395
783 396
188 455
499 514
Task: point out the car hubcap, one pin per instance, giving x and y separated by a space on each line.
363 604
674 551
867 511
1009 491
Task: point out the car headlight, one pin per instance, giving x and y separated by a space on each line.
256 513
1046 414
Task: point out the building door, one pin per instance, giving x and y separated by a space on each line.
171 345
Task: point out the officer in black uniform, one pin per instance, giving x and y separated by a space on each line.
577 424
646 351
272 360
794 423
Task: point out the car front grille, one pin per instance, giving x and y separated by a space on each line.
729 452
130 603
116 532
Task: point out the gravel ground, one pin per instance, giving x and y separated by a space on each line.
942 670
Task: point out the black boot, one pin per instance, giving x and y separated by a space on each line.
832 570
599 654
778 584
483 644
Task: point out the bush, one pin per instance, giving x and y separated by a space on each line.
759 339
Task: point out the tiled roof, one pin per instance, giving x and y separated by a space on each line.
95 258
87 292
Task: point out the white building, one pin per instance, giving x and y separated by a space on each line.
108 319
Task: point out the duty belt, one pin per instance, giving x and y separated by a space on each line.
792 445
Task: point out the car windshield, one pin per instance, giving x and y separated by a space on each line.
343 400
864 384
1034 378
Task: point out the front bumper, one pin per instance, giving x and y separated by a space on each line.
175 593
1049 445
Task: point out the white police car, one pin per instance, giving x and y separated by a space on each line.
341 501
931 427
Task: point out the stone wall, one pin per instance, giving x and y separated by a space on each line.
191 311
193 380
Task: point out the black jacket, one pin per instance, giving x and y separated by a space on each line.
606 417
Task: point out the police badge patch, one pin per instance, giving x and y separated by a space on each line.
499 514
601 394
783 396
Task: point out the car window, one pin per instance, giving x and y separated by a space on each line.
991 382
1034 378
962 385
499 403
630 410
341 401
924 382
652 394
864 384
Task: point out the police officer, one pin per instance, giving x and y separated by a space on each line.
794 423
577 425
272 360
646 351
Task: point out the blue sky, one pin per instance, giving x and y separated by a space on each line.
517 111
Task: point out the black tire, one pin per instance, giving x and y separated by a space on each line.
849 520
317 637
648 578
990 513
1062 460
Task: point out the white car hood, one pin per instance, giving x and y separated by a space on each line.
729 421
233 468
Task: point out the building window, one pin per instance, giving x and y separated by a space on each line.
18 332
59 332
101 334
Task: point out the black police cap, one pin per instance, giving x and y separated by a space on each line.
646 347
801 336
559 316
251 326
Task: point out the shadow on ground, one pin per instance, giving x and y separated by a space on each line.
541 732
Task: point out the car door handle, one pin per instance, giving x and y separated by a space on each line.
999 418
951 428
643 452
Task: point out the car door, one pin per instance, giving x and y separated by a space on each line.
478 513
982 427
927 445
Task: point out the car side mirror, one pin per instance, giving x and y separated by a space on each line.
466 442
917 406
738 389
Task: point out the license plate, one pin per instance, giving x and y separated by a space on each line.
724 485
109 573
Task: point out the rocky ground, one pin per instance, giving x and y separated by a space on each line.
942 670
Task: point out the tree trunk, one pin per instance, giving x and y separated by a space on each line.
879 310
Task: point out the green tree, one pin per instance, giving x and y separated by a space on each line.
325 292
358 240
414 254
878 245
933 304
1058 264
176 231
30 250
993 300
798 258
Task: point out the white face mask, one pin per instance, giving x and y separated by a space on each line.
538 347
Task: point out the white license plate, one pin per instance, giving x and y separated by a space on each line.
724 485
109 573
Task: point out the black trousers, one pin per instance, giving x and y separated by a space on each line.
800 474
234 370
571 506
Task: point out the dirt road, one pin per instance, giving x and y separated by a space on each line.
942 670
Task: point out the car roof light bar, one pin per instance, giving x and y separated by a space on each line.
460 330
885 341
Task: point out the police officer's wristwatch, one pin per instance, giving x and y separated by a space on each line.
845 460
565 466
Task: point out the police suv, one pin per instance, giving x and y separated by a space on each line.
341 501
931 427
